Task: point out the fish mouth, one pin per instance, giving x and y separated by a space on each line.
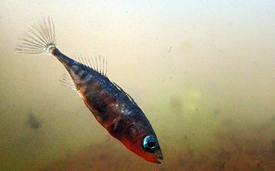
158 160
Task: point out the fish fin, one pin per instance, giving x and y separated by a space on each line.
130 98
67 81
121 108
116 120
97 63
40 38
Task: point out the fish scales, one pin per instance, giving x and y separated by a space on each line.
112 107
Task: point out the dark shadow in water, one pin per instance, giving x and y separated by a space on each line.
33 121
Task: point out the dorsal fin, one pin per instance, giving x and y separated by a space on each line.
124 92
97 63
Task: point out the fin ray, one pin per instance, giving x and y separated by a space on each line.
40 38
67 81
97 63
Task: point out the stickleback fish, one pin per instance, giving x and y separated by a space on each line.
112 107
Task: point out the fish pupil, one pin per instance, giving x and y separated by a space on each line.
151 144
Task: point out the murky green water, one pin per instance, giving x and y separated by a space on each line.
203 73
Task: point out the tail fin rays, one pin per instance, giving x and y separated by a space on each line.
40 38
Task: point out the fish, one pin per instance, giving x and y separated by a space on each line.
111 106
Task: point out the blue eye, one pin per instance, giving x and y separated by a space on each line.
150 143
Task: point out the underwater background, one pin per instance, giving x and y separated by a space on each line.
203 72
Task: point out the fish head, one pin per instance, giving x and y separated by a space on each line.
144 143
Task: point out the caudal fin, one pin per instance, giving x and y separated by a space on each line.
40 38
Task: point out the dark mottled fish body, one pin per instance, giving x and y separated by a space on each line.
113 108
106 100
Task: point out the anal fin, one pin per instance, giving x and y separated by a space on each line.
67 81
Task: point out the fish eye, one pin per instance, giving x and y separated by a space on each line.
150 143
